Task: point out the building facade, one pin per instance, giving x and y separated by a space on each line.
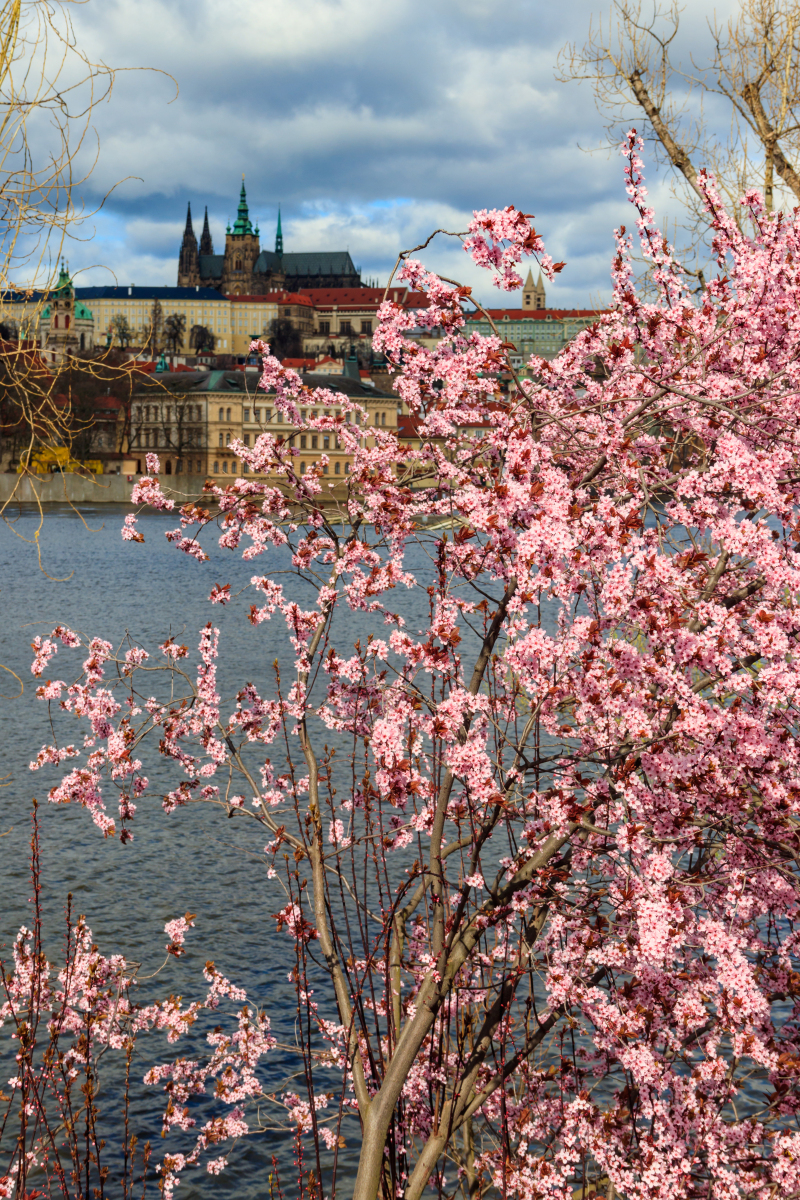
172 425
214 410
534 328
59 323
247 269
146 309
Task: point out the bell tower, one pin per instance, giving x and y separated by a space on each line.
533 295
242 248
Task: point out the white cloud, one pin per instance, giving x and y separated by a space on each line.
371 123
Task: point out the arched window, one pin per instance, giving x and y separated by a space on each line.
303 441
237 266
377 418
337 470
169 466
383 418
245 469
222 414
228 415
216 468
225 468
347 468
302 468
55 321
66 322
221 441
83 341
314 441
325 469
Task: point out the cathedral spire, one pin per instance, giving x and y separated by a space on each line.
206 244
242 224
188 263
279 234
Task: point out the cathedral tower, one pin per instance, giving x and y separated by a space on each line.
188 262
241 251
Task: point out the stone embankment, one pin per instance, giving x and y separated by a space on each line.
76 489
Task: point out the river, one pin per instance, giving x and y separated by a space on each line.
194 860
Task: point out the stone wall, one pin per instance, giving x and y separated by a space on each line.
100 489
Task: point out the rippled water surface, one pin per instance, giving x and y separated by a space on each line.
195 860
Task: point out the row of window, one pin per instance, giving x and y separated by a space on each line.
155 412
345 327
337 468
190 465
153 438
352 418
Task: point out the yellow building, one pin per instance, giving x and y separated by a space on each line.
141 306
190 422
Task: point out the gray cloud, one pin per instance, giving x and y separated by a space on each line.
370 122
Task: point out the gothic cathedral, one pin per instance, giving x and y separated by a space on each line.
247 270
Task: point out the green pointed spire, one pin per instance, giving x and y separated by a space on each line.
279 234
242 224
64 283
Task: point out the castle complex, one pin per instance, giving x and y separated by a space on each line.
247 270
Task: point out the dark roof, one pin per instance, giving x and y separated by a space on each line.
146 293
173 380
345 383
211 266
325 262
267 260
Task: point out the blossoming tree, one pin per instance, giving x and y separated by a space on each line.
544 848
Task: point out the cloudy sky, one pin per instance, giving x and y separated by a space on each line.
371 122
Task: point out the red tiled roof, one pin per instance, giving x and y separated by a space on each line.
416 300
298 364
534 314
407 426
363 297
272 297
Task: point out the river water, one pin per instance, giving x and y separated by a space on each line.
194 860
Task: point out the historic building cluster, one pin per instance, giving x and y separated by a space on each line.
245 269
221 302
205 325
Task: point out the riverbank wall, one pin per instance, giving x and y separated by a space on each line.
99 489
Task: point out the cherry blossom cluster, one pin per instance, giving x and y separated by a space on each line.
542 839
64 1019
